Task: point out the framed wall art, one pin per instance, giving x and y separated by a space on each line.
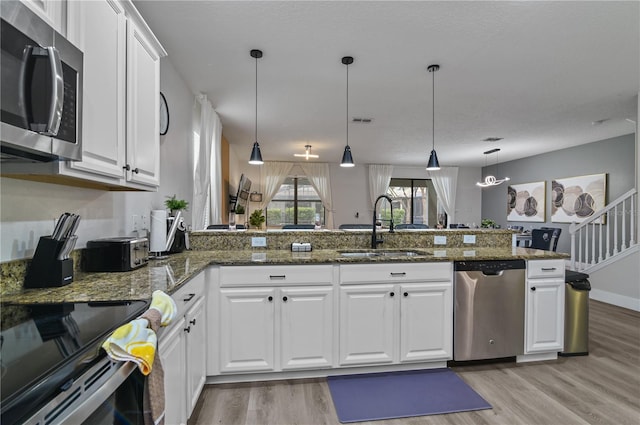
574 199
526 202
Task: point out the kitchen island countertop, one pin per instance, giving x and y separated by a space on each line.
169 274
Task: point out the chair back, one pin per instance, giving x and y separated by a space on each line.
224 227
411 226
354 226
541 239
458 226
555 236
298 226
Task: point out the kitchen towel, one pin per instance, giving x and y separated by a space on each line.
133 342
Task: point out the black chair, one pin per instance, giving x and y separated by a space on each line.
224 227
541 239
458 226
411 226
354 226
555 236
298 226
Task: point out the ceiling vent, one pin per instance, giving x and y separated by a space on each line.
492 139
362 120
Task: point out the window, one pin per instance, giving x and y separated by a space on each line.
297 202
414 201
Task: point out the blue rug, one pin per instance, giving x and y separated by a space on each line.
376 396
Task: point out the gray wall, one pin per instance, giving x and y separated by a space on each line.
615 157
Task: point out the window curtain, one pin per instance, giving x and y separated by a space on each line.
273 174
318 175
379 178
207 178
445 182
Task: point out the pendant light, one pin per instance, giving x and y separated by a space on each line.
256 155
347 158
492 180
433 163
307 153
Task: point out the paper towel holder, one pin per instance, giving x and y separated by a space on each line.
171 234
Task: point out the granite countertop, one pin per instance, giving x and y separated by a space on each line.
170 273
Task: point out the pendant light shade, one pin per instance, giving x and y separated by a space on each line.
256 155
433 164
347 158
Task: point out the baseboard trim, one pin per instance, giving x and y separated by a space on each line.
615 299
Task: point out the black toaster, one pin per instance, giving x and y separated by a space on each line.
118 254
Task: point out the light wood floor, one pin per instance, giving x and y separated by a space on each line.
601 388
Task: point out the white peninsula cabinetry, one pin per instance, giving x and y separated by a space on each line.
182 349
274 318
544 310
121 98
395 313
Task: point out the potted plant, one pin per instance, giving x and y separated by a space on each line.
239 210
487 223
256 219
175 205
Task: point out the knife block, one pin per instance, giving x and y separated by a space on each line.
45 270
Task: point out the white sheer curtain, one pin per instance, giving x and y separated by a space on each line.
206 177
318 175
379 178
445 181
273 174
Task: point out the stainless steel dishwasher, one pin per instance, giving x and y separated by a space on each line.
489 309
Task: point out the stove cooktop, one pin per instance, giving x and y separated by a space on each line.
43 347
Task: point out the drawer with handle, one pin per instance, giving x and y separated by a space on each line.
188 294
396 272
276 275
545 268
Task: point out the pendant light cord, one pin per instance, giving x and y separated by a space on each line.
433 110
347 108
256 126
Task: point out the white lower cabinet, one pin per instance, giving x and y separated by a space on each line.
395 322
182 350
273 328
544 317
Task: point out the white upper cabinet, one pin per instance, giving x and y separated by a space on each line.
51 11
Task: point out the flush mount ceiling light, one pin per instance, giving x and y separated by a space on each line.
256 155
347 158
307 153
433 163
491 180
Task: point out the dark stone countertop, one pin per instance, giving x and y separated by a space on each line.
170 273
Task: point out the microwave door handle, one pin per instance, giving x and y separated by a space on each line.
24 88
57 92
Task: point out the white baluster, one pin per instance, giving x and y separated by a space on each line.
633 220
600 259
573 249
615 230
580 249
593 244
608 236
624 226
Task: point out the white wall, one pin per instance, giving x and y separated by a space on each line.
350 189
28 209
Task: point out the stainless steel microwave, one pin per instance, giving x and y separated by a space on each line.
41 85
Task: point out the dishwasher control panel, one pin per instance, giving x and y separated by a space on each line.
488 266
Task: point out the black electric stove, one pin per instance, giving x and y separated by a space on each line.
44 347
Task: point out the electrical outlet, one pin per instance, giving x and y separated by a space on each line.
258 241
136 222
469 239
439 240
144 221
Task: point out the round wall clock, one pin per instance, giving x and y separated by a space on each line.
164 115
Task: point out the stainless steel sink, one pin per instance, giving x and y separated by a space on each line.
381 253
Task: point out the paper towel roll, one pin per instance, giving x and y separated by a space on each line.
158 233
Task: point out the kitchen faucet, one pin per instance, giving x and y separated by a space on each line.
374 240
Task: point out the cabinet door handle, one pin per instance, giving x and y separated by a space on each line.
548 269
127 167
136 170
533 288
277 276
187 329
399 274
406 294
188 298
270 298
193 322
284 299
392 294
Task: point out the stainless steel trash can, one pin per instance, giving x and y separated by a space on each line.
576 314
